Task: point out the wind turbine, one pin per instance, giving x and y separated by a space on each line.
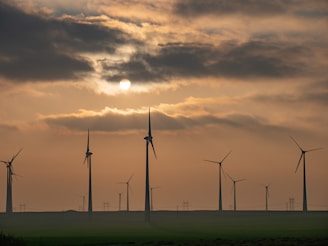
234 190
127 191
10 173
151 197
149 139
266 196
87 159
220 190
303 152
119 201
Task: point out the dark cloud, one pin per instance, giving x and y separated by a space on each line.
250 59
112 122
192 8
314 93
252 8
317 97
7 128
39 48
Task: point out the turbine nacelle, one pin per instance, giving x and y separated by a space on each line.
88 153
9 163
148 138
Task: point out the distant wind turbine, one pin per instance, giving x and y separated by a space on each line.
266 196
119 201
87 159
151 197
220 167
10 173
234 191
149 139
127 192
303 152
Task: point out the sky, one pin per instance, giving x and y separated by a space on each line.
218 76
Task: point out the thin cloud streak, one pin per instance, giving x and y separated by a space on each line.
113 120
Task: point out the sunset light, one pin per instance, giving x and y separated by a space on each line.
189 96
125 84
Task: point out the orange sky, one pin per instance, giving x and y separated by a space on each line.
217 75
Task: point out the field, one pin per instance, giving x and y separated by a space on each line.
168 228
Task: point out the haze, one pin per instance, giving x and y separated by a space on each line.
217 76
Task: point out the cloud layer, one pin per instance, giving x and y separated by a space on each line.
40 47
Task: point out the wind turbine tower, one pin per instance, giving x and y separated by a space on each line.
10 173
149 139
87 159
220 169
266 196
234 191
303 152
119 201
127 192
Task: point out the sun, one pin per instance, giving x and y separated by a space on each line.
125 84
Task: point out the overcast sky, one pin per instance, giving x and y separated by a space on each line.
218 75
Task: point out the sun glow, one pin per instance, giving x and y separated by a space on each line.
125 84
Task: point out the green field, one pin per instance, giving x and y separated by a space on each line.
168 228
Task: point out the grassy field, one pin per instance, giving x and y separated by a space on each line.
168 228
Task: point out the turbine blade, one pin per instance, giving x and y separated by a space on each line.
313 149
149 124
14 157
88 141
13 173
212 161
224 173
4 162
231 178
130 189
152 145
226 156
130 178
239 180
296 143
299 161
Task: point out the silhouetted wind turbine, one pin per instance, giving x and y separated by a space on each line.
303 152
127 191
88 155
266 196
234 190
10 173
151 197
149 139
220 167
119 201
